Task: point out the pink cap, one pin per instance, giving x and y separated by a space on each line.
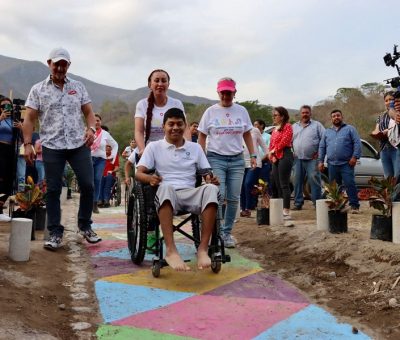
226 85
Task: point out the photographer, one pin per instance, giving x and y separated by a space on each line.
397 108
7 139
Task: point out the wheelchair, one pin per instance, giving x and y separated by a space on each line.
116 195
142 216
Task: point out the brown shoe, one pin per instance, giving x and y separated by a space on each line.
245 213
95 208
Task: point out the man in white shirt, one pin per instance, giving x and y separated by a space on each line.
176 162
67 127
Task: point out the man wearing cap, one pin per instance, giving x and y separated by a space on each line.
59 102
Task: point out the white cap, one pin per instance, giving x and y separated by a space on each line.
58 54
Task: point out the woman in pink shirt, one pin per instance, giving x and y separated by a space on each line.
281 156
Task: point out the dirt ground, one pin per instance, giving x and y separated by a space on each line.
349 274
36 297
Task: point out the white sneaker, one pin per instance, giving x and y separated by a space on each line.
90 236
4 218
229 241
53 243
287 216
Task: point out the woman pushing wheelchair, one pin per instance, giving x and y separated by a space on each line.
176 162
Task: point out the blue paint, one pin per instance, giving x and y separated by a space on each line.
187 252
118 300
310 323
122 254
107 225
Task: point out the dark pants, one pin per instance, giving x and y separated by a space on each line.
6 170
106 185
80 161
247 200
281 171
344 174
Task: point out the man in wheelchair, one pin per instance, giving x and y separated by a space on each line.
176 163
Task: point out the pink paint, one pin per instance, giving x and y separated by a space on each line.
110 266
105 245
211 317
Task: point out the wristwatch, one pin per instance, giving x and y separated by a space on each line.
92 128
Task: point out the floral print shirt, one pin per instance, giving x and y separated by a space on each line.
62 123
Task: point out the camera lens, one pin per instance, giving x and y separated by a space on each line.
6 107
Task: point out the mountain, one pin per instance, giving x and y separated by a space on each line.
19 75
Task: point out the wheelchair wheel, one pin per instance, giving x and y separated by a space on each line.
128 191
137 225
214 250
156 269
216 266
118 193
196 230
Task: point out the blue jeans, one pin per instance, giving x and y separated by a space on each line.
388 159
105 188
21 173
302 168
345 174
265 172
247 200
230 171
98 168
40 170
54 163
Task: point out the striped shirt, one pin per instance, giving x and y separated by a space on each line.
383 123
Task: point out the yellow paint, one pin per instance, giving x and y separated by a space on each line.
194 281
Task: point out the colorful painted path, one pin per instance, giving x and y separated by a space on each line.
241 302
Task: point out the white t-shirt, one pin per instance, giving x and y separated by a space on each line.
128 150
258 142
156 132
132 156
176 166
225 127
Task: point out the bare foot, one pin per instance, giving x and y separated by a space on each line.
176 262
203 260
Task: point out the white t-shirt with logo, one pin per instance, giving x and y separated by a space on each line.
156 132
225 127
177 166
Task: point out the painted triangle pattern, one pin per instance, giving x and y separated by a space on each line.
241 302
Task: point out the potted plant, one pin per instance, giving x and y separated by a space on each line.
69 177
336 201
31 204
381 196
261 190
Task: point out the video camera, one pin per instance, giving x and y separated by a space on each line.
391 60
17 103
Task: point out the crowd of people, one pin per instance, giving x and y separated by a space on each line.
235 151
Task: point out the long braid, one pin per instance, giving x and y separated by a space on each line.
150 106
149 115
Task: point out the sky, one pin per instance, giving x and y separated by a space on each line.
282 52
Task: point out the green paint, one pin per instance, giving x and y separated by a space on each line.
239 261
108 332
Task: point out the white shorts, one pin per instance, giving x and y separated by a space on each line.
192 200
